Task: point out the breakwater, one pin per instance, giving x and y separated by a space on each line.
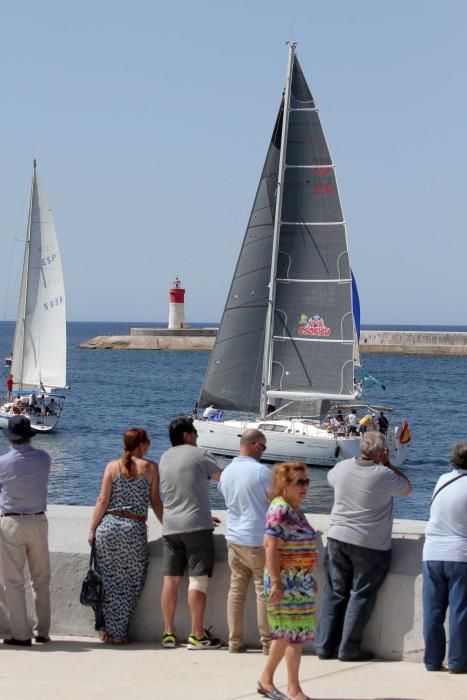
394 631
413 342
371 341
155 339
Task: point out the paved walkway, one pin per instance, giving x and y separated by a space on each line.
85 669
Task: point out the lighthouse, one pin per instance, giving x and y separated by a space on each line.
176 305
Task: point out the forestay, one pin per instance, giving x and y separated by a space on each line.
233 377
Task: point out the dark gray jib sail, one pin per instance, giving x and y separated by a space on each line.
306 283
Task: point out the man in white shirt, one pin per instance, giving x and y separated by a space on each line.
351 422
245 485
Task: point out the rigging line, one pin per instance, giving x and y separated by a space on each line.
14 239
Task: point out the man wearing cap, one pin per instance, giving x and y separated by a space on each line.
24 475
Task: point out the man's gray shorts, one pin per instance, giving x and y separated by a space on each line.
192 550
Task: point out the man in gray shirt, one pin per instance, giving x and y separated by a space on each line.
185 471
24 474
358 552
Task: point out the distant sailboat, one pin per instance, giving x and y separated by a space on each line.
39 348
287 346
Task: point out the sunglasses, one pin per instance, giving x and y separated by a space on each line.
300 482
261 444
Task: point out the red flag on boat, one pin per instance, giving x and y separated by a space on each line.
404 435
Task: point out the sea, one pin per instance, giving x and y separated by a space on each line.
112 390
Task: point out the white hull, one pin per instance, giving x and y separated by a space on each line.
40 422
301 440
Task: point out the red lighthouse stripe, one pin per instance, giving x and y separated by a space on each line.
176 296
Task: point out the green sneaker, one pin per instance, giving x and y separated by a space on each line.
169 640
204 642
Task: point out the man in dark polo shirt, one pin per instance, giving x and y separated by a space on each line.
24 475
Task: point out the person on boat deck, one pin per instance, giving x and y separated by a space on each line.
382 423
9 386
358 552
340 423
40 403
351 422
209 412
32 402
51 407
332 424
17 405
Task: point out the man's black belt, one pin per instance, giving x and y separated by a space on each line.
5 515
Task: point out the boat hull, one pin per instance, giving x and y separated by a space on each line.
41 424
299 442
41 421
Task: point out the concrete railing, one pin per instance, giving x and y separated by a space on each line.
394 631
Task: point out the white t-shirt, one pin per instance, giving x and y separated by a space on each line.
352 419
446 531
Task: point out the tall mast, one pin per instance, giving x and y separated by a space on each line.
21 318
267 358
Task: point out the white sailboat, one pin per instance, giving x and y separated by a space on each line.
39 348
286 347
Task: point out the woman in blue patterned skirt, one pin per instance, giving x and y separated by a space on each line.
118 527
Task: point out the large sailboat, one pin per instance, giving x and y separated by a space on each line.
286 352
39 347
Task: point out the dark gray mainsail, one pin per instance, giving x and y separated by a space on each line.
294 261
233 377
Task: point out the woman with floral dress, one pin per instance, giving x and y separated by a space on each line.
118 527
290 544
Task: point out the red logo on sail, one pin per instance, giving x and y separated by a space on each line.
313 326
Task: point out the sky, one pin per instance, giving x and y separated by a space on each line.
150 122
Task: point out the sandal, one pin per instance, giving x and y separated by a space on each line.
106 638
273 694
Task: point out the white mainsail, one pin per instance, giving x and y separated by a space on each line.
39 349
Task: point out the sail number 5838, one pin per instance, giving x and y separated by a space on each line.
53 302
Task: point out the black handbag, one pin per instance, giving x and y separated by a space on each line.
91 589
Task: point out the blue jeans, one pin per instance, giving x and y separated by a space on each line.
354 576
445 584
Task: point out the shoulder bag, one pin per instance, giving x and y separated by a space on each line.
91 588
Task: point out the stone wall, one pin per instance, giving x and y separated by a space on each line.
394 632
413 342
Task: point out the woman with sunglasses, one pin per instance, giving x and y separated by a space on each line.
291 557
